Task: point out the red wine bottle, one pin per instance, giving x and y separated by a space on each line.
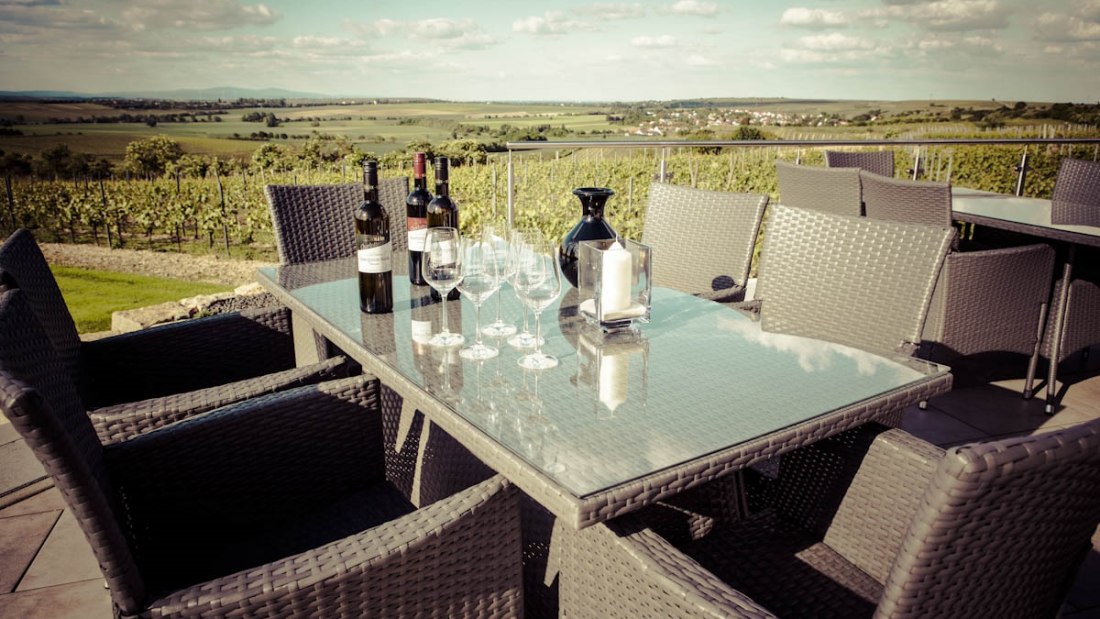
416 210
373 247
442 211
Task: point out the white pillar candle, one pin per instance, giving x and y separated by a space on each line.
615 279
613 379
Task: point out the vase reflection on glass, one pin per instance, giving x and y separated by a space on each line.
591 227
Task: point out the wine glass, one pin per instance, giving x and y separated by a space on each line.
442 264
518 240
538 284
480 279
501 247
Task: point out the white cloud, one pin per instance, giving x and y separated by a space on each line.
812 18
697 60
945 15
449 33
198 15
1062 27
835 41
664 40
693 7
551 22
612 11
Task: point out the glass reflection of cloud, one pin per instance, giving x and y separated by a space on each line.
813 355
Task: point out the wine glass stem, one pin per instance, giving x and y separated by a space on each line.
477 325
443 306
498 309
526 329
538 334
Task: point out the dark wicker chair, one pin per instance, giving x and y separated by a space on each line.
873 522
879 162
1076 201
853 280
137 381
915 202
276 507
833 190
705 239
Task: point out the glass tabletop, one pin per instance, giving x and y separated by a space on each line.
700 377
1017 209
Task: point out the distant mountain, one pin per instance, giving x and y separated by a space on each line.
227 93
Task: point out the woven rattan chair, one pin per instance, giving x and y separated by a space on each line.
879 162
317 222
1076 198
145 379
705 239
853 280
833 190
875 523
276 507
916 202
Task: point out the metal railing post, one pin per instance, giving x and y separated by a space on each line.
511 192
1022 170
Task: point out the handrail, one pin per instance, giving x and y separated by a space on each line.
1021 168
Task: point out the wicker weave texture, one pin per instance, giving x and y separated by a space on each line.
853 280
915 202
301 530
834 190
991 529
990 300
317 222
1076 198
1081 325
878 162
703 239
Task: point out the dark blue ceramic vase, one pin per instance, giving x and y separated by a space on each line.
591 227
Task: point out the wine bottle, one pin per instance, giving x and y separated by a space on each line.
416 210
442 211
373 247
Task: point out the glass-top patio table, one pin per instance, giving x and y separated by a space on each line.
697 393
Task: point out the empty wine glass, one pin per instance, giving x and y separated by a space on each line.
441 265
538 284
479 281
500 244
518 240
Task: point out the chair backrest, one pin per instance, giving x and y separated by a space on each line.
915 202
704 239
1001 529
40 400
880 162
316 222
1076 199
833 190
22 259
853 280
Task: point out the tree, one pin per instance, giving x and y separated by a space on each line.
150 157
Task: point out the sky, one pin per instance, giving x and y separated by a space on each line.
561 50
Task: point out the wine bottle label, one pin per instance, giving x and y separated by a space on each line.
418 229
447 252
377 259
421 330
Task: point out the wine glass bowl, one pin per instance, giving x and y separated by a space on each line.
538 283
519 239
442 269
501 246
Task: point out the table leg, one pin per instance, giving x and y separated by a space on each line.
305 344
1059 324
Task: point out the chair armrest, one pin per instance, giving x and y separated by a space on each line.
460 556
748 308
252 462
120 422
860 490
733 294
623 568
187 355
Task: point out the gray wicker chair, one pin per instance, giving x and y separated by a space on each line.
704 239
833 190
142 380
873 522
916 202
1076 198
1076 201
853 280
276 507
317 222
879 162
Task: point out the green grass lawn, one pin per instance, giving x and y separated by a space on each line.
93 295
